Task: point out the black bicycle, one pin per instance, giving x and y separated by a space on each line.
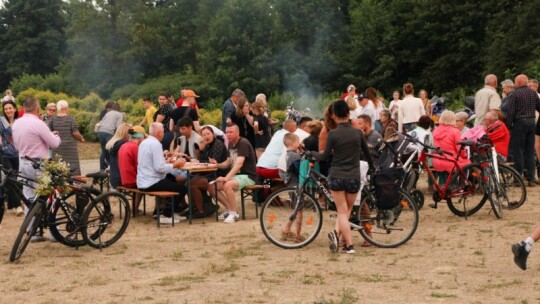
79 217
292 218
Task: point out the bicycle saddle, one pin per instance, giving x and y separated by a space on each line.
467 143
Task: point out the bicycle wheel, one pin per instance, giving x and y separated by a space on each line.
65 222
418 197
512 186
105 219
491 189
28 229
286 228
466 205
388 228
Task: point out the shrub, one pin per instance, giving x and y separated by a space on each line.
24 82
86 121
126 91
279 115
44 97
92 103
212 117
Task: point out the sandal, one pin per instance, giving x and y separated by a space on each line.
287 235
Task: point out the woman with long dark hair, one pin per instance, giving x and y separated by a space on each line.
10 155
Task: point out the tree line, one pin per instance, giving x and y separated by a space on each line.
120 48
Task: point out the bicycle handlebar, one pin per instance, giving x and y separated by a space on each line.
437 150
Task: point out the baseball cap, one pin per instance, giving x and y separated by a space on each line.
138 132
190 93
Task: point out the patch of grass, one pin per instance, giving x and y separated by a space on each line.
498 285
313 279
89 150
177 255
235 253
442 295
68 289
372 278
345 296
138 264
213 268
172 280
284 273
117 249
97 281
478 252
206 255
147 298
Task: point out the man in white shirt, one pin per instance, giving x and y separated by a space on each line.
367 107
486 99
153 172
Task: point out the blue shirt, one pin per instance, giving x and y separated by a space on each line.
151 166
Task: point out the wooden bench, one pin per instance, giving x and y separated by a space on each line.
247 192
162 194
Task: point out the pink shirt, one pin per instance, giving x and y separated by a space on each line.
32 137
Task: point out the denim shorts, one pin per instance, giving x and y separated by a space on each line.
349 185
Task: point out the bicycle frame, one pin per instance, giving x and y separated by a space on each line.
444 192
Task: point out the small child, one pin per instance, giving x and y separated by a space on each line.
292 142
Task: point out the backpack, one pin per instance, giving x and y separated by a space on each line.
387 183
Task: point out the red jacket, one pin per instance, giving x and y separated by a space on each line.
127 163
500 136
446 137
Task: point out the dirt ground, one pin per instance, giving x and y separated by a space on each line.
449 260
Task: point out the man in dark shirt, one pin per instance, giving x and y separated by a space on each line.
186 110
522 104
242 174
229 107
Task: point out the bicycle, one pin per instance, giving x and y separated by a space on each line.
458 184
296 206
501 183
66 215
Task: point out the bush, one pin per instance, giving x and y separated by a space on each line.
52 82
212 117
86 121
279 115
126 91
44 97
24 82
92 103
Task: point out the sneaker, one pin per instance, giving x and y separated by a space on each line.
223 216
520 255
37 239
166 220
231 218
334 240
19 211
179 218
348 249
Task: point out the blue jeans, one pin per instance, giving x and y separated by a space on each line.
522 143
104 157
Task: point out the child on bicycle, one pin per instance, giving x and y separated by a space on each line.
346 144
292 142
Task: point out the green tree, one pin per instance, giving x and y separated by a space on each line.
99 54
32 37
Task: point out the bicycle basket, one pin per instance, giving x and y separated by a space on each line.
387 183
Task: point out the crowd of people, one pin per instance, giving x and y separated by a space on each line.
247 149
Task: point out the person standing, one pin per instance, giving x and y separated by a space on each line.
33 139
410 110
186 110
394 105
107 127
51 111
229 107
486 99
347 144
10 155
163 115
149 113
522 104
68 129
507 87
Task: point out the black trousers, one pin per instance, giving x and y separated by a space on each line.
169 184
10 163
